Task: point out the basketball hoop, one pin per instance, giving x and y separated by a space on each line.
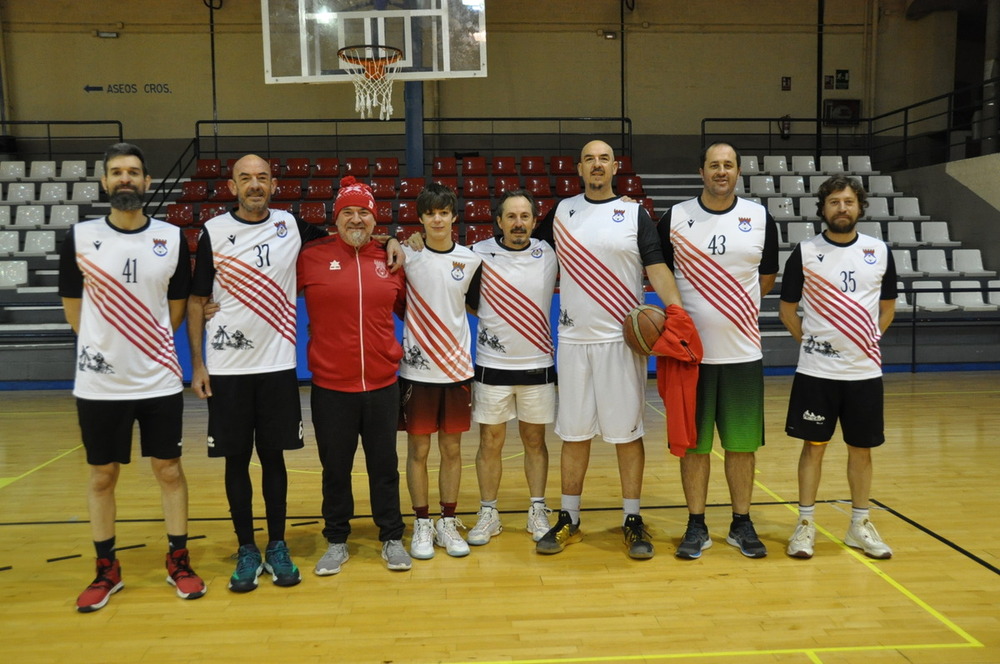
372 69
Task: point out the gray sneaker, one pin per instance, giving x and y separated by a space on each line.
335 556
395 556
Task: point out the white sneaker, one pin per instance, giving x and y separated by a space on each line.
800 544
488 525
538 521
863 536
422 542
446 535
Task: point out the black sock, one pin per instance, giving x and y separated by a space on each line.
740 518
106 549
177 542
696 519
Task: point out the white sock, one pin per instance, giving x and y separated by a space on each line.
537 500
858 514
571 504
488 503
629 506
807 512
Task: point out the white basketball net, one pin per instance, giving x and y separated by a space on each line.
372 69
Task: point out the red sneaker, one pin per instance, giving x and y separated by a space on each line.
180 575
107 583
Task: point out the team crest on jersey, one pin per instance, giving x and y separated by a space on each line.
870 256
457 270
744 224
536 252
281 228
381 270
618 216
159 247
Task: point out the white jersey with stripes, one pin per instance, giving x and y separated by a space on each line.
515 298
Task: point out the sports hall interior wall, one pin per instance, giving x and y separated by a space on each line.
682 62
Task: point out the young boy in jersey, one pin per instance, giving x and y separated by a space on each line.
436 371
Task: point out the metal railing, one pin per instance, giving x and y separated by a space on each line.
59 139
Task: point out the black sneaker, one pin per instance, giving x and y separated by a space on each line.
744 537
279 563
561 534
637 538
695 541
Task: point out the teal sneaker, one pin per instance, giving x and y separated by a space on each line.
279 564
248 568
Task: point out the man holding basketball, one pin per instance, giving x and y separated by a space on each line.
724 254
603 244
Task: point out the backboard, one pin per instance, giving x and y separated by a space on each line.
439 38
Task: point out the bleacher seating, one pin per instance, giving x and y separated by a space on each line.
936 233
749 165
568 185
534 166
64 216
313 212
781 207
327 167
383 212
970 301
39 243
538 186
219 192
803 165
860 165
30 215
407 213
629 185
871 228
359 167
904 264
383 187
387 167
902 234
792 185
193 191
446 166
9 241
933 299
543 206
298 167
934 263
52 192
477 232
762 186
475 166
11 171
287 190
970 263
207 169
13 273
475 187
180 214
503 166
831 165
625 165
73 169
562 165
319 190
478 210
908 207
42 171
878 209
881 185
411 187
20 192
775 165
504 183
799 231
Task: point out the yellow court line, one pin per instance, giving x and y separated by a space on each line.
5 481
970 640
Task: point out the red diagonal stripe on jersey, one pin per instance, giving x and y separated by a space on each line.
127 314
258 292
434 337
719 288
594 278
844 314
517 310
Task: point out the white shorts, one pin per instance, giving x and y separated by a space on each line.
496 404
601 392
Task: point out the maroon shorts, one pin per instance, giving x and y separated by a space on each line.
426 408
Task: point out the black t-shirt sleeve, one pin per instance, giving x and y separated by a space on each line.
180 284
649 241
545 230
472 295
792 278
204 267
769 259
890 289
70 277
309 232
663 231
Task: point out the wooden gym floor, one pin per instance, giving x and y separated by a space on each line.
937 601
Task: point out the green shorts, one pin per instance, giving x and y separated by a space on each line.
730 397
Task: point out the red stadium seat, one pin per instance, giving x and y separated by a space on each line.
543 206
629 185
297 167
357 166
533 166
562 165
211 210
404 231
650 208
275 167
478 211
411 187
451 183
287 207
313 212
207 169
328 167
505 183
504 166
319 190
625 165
191 235
473 166
287 190
220 192
538 186
228 170
180 214
386 167
476 187
407 213
380 229
193 191
383 212
568 185
383 188
476 232
444 166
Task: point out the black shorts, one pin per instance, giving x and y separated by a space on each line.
106 427
247 408
816 404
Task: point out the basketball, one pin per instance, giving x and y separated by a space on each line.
641 328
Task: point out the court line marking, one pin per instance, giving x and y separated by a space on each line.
7 481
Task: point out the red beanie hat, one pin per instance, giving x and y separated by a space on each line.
353 193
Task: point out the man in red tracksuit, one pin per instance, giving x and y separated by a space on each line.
354 356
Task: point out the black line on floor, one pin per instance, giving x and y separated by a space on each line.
304 523
6 568
130 546
943 540
55 560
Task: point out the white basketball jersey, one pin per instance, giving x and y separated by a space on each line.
254 330
601 268
841 290
515 299
716 265
125 349
437 341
